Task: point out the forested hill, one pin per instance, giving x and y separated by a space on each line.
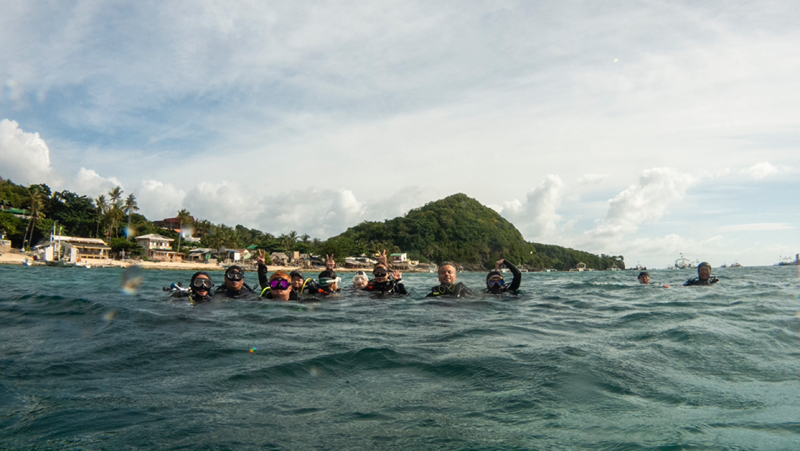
462 230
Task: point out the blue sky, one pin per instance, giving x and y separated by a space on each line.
645 129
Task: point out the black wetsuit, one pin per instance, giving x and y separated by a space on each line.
267 294
458 290
230 293
310 286
390 286
320 290
514 287
263 280
698 281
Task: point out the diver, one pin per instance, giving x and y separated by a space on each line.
234 287
302 285
328 283
447 283
703 276
644 279
496 284
199 288
360 280
383 284
280 287
261 261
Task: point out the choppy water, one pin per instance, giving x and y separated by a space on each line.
580 361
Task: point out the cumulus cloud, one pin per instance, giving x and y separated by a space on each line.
536 216
646 201
592 179
24 157
88 182
159 200
760 171
225 202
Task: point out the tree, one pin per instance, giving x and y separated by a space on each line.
130 207
115 212
184 217
36 202
102 207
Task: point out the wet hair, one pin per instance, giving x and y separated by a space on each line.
447 264
643 273
381 265
493 273
703 264
234 268
198 273
280 275
328 273
296 274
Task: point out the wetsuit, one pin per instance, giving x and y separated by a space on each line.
230 293
514 287
267 294
322 291
263 280
309 286
458 290
699 281
390 286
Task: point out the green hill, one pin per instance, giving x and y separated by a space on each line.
462 230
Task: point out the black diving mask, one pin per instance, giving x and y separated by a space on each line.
202 284
234 276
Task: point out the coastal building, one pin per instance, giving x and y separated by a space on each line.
5 207
399 258
279 258
158 248
174 224
72 249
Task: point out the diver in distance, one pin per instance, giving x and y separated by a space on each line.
234 287
447 283
644 279
199 288
360 280
280 287
496 284
328 283
703 276
383 284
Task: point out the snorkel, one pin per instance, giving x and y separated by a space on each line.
328 281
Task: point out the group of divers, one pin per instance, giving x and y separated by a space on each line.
293 286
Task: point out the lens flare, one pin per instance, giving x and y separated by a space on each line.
132 279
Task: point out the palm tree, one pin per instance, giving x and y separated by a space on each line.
184 217
115 212
130 207
102 206
36 202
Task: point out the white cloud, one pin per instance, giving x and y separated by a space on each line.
647 201
158 200
760 171
88 182
225 202
592 179
758 227
24 157
537 217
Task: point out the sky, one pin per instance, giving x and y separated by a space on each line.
644 129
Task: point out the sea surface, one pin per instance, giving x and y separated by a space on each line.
578 361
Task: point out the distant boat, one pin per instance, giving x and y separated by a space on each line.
60 264
735 265
683 263
787 261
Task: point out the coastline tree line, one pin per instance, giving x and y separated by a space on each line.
457 229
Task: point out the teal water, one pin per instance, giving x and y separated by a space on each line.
579 361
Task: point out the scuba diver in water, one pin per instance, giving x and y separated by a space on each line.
703 276
447 283
328 284
199 288
308 286
263 278
234 287
496 284
644 279
360 280
280 287
383 284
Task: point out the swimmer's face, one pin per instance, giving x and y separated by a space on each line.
202 291
447 274
381 274
297 282
644 280
704 272
281 293
234 284
360 282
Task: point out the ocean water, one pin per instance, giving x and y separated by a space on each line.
578 361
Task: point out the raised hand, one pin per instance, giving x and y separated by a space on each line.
261 260
330 263
397 275
499 264
382 258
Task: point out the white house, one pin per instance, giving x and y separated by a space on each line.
73 249
399 258
157 247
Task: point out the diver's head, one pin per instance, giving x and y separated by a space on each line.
495 281
280 285
201 284
381 273
644 278
297 279
447 273
360 280
328 280
704 271
234 278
